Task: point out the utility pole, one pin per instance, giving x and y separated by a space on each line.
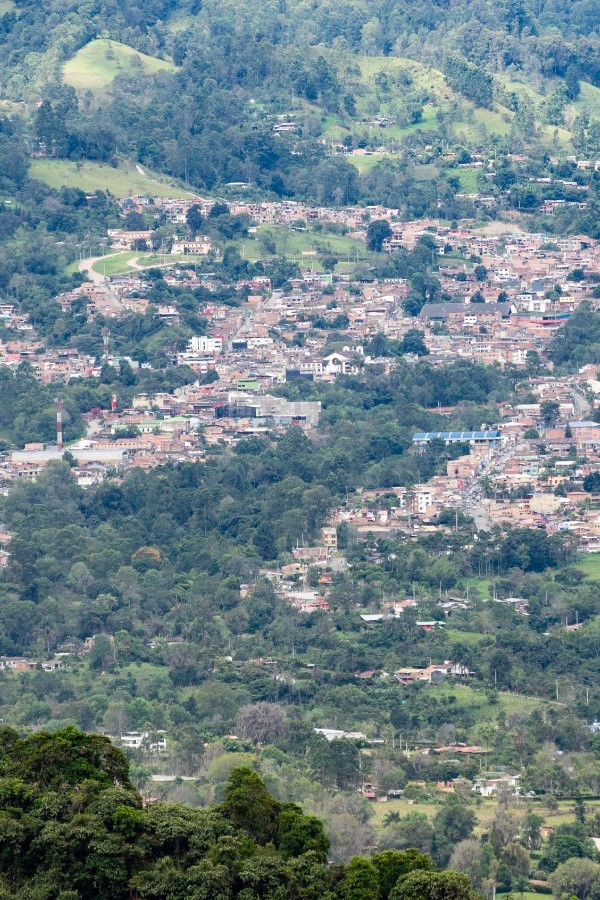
59 432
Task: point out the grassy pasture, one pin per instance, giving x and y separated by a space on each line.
97 64
124 180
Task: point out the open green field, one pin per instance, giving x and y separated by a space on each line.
424 76
433 81
588 100
97 64
467 178
403 807
518 86
485 811
526 895
114 264
118 263
72 268
590 565
365 163
494 120
471 124
480 587
472 638
168 259
124 180
304 246
479 703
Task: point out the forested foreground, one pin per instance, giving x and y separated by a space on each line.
72 826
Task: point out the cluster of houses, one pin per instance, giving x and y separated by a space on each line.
510 292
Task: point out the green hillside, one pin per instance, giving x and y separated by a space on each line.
409 78
97 64
123 180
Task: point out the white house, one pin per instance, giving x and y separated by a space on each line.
141 740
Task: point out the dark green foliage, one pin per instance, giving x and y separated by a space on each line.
413 342
361 880
335 762
529 549
71 825
591 483
570 841
67 756
249 806
578 342
434 886
471 81
394 865
377 232
572 78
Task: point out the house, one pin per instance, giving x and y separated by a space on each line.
519 604
368 791
142 740
51 665
123 239
487 787
337 364
329 537
16 663
332 734
433 673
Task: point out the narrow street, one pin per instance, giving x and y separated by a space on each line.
86 266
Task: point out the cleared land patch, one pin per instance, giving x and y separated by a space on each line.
97 64
124 180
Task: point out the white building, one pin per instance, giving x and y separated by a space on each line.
197 247
142 740
204 344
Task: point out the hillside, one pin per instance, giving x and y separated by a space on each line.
438 78
97 64
122 180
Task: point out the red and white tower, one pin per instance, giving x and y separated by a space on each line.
105 337
59 432
113 403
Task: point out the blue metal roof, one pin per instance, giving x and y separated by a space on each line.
456 435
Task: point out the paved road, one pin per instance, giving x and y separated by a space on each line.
86 266
581 404
473 499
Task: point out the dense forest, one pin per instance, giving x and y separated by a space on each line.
74 827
